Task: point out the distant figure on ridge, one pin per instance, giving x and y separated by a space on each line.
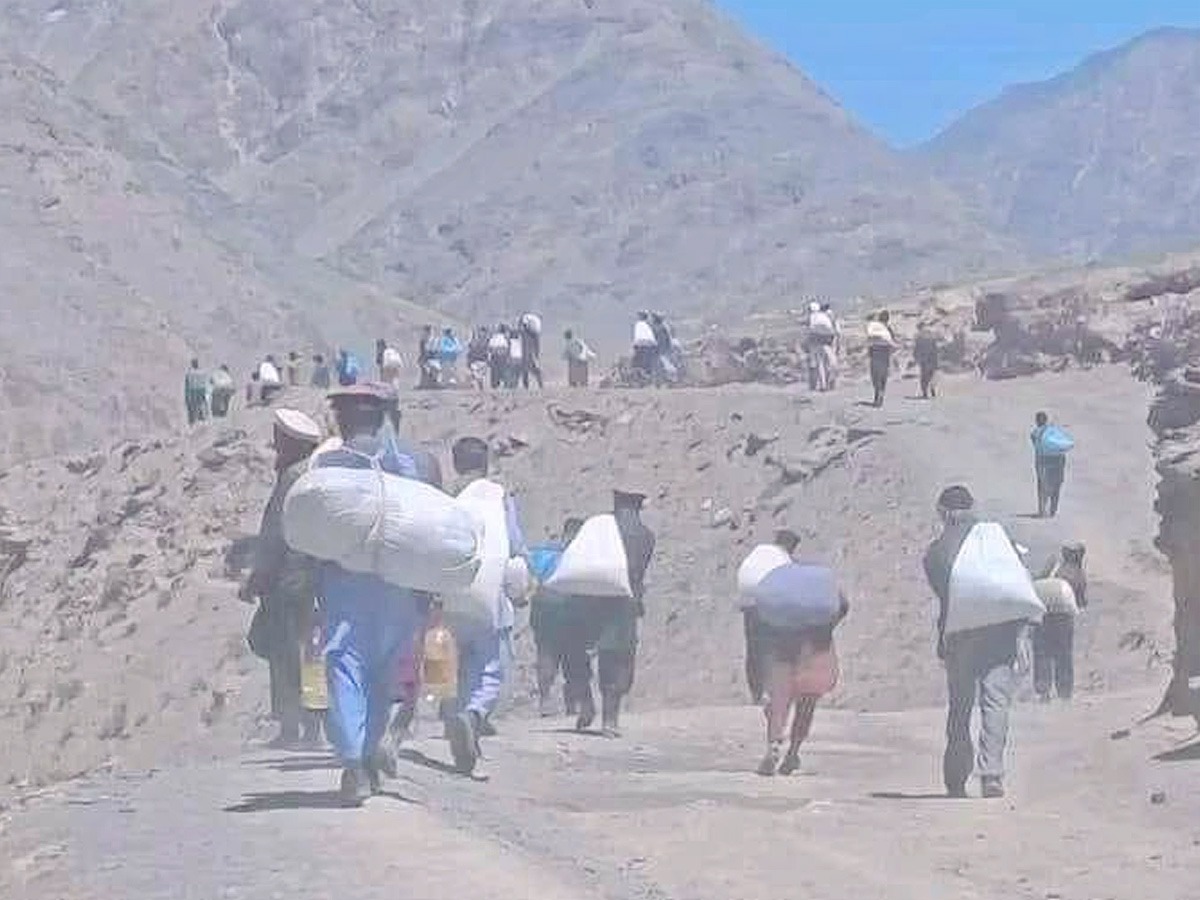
881 343
195 393
223 390
645 348
531 349
321 378
579 357
925 353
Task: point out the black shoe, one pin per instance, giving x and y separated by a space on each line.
587 713
770 762
464 742
790 764
956 791
355 789
486 728
993 788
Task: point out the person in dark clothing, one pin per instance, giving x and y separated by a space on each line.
881 343
321 377
531 352
610 623
1054 639
195 393
284 583
926 352
1050 469
664 368
980 662
645 347
550 618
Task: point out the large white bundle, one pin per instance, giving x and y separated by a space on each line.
408 533
1057 596
595 563
988 583
481 598
762 561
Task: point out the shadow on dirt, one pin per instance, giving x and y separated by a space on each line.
1188 753
297 800
901 795
416 757
308 763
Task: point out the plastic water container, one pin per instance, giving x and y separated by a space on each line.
439 670
314 690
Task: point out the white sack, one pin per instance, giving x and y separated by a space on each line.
1057 596
762 561
484 499
595 563
408 533
988 583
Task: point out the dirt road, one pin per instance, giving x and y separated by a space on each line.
669 813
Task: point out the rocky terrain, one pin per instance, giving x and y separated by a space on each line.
234 179
1099 162
123 641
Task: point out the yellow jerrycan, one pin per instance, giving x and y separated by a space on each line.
314 690
439 669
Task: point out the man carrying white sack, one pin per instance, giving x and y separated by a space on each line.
484 644
986 602
369 623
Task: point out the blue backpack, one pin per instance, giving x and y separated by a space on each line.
1055 441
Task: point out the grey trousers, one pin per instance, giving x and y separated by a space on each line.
979 666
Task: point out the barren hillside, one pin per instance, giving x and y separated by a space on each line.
239 178
1098 162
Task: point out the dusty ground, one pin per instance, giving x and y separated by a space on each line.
121 641
670 812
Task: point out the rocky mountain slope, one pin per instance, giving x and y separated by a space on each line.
110 286
236 178
1098 162
122 641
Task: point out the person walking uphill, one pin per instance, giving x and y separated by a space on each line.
284 583
791 611
550 619
195 393
986 602
370 623
613 623
579 357
925 353
484 647
1051 443
1062 586
881 343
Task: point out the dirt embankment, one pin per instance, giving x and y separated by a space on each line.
122 638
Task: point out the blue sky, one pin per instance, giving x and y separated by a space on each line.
906 68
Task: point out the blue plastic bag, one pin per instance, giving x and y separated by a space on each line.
543 560
1055 441
798 596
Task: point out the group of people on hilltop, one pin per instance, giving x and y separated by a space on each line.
373 632
657 353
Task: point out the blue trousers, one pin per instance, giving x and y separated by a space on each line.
483 655
366 640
